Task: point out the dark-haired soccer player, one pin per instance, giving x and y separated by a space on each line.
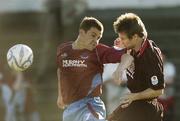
145 75
80 67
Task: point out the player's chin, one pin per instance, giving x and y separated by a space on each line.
92 48
130 47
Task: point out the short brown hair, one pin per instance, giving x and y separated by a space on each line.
89 22
131 24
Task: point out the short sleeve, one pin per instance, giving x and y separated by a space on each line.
155 72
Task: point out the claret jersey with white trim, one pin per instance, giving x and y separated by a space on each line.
81 70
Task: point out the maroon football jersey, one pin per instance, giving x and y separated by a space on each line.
78 69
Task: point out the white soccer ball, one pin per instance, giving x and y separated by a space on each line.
20 57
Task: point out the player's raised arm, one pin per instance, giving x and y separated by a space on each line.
126 61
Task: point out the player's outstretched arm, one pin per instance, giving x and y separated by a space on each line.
126 61
146 94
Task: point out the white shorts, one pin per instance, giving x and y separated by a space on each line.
79 111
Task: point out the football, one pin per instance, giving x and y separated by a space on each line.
20 57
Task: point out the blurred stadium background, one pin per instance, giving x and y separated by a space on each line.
43 24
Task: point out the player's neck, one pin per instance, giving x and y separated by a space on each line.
139 44
78 44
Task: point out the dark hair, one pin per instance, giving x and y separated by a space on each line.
131 24
89 22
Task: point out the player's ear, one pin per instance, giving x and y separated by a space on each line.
135 36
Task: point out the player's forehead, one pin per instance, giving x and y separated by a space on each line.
95 31
122 35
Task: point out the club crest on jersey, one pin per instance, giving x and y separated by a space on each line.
64 55
154 80
84 56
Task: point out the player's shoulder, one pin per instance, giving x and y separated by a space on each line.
100 45
102 48
64 45
153 48
154 51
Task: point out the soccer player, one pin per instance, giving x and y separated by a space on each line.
145 75
80 67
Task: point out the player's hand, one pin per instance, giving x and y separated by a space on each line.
126 100
60 103
118 43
